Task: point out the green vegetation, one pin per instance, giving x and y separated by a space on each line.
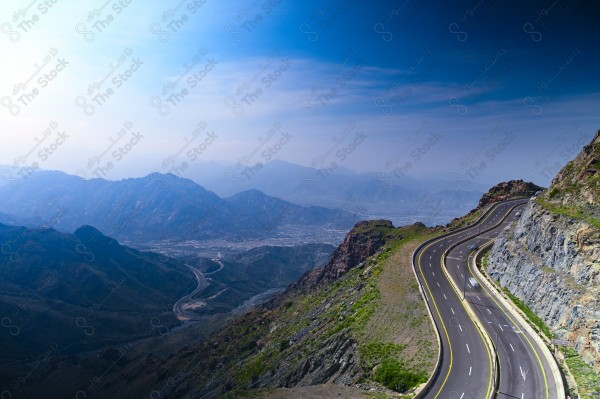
388 370
574 212
375 353
393 375
588 380
485 260
533 318
309 321
374 309
466 220
566 196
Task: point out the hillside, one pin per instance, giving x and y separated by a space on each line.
335 329
551 260
82 291
575 191
502 191
508 190
158 207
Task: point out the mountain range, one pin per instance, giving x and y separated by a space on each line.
81 291
384 193
157 207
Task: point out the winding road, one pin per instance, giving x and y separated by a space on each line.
179 308
486 350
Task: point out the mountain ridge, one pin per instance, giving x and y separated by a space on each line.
157 207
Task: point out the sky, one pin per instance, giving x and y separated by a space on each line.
478 91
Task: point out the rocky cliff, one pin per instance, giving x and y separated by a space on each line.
551 259
361 242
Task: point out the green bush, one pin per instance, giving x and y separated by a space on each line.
392 375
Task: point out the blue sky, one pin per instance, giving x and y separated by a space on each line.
472 91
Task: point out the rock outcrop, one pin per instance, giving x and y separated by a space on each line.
577 185
508 190
551 259
361 242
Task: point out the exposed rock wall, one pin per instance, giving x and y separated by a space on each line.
552 263
361 242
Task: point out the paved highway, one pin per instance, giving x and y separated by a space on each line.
469 367
178 308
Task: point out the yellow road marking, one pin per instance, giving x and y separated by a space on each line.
514 324
440 316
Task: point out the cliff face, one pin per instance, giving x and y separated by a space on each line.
361 242
551 260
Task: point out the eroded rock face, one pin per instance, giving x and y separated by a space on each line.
336 362
360 243
552 263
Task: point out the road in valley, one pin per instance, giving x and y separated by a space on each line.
179 308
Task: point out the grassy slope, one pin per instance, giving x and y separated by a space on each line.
564 197
387 318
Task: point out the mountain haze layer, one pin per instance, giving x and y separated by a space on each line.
158 207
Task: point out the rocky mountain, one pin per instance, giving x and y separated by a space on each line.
551 260
508 190
388 194
80 291
158 207
363 241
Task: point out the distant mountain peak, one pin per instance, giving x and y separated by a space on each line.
93 237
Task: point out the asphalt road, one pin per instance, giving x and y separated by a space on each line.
467 367
178 308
